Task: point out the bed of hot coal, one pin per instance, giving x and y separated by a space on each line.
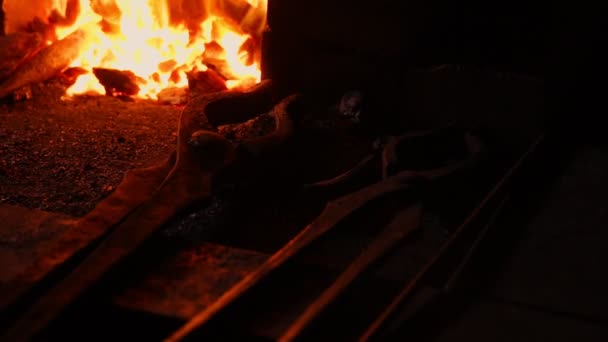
65 156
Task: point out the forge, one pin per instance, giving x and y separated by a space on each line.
249 169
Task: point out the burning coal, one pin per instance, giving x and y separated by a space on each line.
159 41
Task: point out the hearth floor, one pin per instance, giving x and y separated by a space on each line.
66 156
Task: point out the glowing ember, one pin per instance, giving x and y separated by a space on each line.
161 40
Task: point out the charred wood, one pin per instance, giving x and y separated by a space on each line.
187 13
23 94
1 18
70 75
239 13
40 26
214 57
15 48
401 226
173 95
234 10
68 19
253 48
110 13
48 63
117 82
203 82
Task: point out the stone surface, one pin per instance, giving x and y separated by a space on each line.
561 259
488 320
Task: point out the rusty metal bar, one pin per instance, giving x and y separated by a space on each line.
409 288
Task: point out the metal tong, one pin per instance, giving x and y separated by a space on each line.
149 198
337 210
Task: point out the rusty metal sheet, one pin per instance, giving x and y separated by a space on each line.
191 280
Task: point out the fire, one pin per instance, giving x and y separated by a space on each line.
161 40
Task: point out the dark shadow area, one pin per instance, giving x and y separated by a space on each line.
526 199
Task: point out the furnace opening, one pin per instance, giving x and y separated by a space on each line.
151 44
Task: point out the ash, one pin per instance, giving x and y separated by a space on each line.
202 223
256 127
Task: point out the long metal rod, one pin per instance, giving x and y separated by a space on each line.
135 188
404 223
121 242
449 285
412 284
334 212
201 156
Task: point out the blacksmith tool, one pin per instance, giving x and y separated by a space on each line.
201 159
336 211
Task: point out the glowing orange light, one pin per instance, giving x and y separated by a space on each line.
141 36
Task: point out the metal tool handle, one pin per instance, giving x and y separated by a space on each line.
405 222
132 232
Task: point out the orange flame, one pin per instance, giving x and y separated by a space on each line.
161 40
